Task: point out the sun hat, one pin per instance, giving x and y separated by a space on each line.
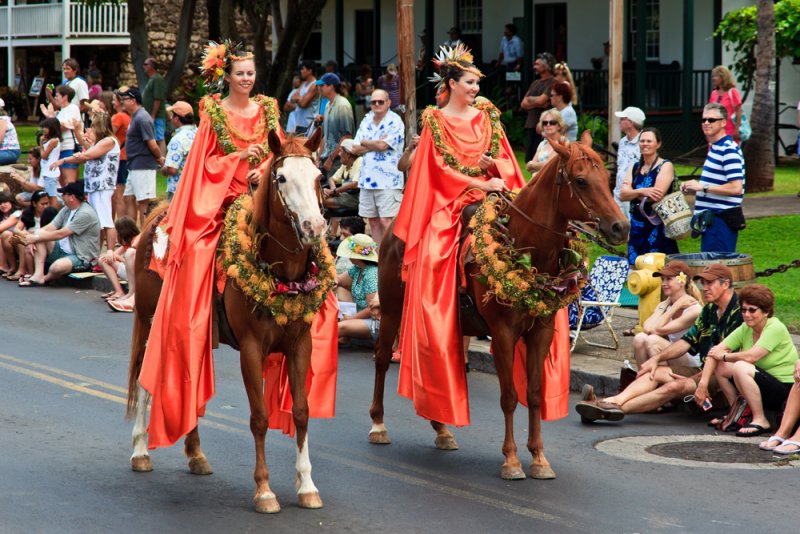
347 146
358 247
633 113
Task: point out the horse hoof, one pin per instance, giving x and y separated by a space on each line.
446 443
267 504
309 500
380 438
141 464
542 472
512 472
200 466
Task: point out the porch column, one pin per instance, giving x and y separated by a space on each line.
527 42
688 70
376 22
616 23
12 72
340 33
717 40
641 55
65 46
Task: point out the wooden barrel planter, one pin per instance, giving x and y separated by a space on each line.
741 265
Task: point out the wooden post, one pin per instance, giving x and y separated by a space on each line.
615 32
406 67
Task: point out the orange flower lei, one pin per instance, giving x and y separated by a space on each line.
285 302
510 277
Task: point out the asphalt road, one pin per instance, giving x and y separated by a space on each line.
65 448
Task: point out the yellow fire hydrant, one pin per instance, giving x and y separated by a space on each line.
642 282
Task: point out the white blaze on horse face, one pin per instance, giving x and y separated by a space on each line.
299 191
303 482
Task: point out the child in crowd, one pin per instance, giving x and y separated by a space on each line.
116 265
50 152
39 213
32 184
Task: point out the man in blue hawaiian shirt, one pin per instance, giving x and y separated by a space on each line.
380 139
179 145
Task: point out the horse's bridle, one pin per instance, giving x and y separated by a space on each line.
274 186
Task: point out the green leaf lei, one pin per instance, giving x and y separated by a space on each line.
509 275
239 259
431 117
212 105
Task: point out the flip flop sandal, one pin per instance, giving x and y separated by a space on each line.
769 447
116 306
758 430
31 283
14 277
787 453
106 295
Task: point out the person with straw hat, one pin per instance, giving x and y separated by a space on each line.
362 281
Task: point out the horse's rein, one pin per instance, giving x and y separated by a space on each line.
562 173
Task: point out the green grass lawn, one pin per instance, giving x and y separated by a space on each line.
771 241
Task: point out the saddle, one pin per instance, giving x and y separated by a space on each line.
472 323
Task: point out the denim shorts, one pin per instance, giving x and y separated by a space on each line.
78 265
161 126
122 172
51 185
65 154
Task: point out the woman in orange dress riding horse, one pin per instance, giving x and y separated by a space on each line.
229 153
463 154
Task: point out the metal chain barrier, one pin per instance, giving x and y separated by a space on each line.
779 269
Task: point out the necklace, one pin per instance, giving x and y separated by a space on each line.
224 130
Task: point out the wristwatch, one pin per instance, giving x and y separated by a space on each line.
705 187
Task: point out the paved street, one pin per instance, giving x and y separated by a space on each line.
65 448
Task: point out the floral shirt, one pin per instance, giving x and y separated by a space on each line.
379 170
709 330
365 282
10 141
177 152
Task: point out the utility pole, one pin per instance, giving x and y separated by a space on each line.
407 67
615 32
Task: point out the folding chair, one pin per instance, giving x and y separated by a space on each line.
599 299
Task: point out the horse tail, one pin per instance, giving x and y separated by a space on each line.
141 331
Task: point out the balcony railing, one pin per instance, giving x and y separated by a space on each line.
47 20
662 88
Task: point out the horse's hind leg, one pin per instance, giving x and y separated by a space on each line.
198 463
140 459
538 345
390 326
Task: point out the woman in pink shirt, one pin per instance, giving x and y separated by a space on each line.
725 93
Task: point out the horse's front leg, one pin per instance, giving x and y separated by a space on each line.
298 363
140 459
252 375
390 326
503 353
538 345
198 463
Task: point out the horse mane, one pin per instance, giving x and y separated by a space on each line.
291 146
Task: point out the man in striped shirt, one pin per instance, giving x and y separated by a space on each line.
721 186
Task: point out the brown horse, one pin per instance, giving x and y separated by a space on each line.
287 210
574 185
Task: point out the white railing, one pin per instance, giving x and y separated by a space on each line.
47 20
105 19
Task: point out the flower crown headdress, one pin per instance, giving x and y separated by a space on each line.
458 56
216 58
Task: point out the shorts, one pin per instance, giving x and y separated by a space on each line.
141 184
25 196
379 202
719 238
161 126
374 326
122 172
347 201
101 202
122 273
78 265
773 392
685 371
51 185
65 154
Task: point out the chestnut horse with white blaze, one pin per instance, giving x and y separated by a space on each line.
574 185
287 213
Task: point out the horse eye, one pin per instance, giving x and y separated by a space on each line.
581 181
281 179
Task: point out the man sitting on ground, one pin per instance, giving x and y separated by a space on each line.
657 383
69 243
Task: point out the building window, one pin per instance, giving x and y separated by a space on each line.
313 49
651 27
470 16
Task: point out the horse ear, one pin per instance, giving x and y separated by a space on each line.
274 143
586 138
312 143
560 148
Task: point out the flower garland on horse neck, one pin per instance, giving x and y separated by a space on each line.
508 273
284 301
211 105
443 137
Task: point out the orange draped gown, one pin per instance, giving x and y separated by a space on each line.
178 366
432 371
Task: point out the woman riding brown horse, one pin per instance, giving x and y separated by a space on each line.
284 236
572 186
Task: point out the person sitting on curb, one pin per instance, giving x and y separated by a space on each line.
657 384
118 265
69 243
783 441
362 281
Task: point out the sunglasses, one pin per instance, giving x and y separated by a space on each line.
377 102
705 120
549 123
752 309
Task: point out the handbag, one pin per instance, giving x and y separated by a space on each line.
737 417
745 130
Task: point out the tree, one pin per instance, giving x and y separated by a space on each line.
758 34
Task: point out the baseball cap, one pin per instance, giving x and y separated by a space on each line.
329 78
73 188
347 145
131 92
392 68
180 108
633 113
454 29
673 268
715 271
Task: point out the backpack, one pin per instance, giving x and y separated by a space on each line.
737 417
